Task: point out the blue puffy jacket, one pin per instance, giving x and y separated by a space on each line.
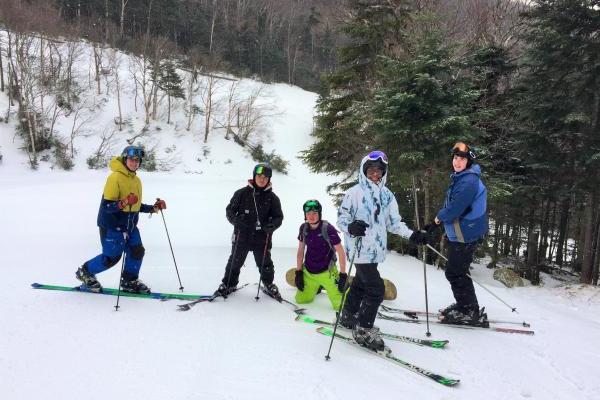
465 210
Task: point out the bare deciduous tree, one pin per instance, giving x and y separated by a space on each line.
115 63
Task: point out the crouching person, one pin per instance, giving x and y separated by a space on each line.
319 247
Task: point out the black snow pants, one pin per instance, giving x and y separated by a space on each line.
365 295
460 256
234 265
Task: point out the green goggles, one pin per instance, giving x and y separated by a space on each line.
311 205
263 170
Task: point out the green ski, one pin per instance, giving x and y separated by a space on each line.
437 344
387 354
113 292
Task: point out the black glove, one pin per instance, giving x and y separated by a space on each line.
431 228
419 237
299 280
341 283
268 228
240 221
358 228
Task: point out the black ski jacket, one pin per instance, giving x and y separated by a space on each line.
242 212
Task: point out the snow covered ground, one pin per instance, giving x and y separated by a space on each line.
60 345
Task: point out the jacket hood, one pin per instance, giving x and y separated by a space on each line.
116 165
364 181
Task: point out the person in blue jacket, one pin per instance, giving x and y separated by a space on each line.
465 220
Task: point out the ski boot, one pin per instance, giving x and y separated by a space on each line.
225 290
89 280
452 307
469 316
348 320
134 286
272 290
368 337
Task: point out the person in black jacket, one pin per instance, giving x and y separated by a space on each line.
255 212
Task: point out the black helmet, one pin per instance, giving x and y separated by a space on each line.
312 205
262 169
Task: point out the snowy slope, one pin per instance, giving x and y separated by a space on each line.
60 345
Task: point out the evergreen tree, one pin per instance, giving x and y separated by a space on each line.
424 104
171 83
559 102
375 28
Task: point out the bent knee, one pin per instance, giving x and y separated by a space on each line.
111 261
303 298
137 252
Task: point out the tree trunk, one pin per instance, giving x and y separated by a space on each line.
506 240
169 109
586 265
97 68
106 14
122 19
212 26
532 272
118 84
427 196
497 234
1 70
562 230
544 232
597 255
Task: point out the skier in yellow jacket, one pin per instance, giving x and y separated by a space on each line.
117 219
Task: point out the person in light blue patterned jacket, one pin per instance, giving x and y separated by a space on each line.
368 212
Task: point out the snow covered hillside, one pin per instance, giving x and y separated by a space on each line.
61 345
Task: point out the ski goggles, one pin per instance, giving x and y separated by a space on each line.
377 155
263 170
311 205
135 152
462 150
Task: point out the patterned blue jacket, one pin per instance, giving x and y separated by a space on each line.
376 205
465 210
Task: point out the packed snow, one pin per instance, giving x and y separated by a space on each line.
62 345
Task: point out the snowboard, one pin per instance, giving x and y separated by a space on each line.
390 288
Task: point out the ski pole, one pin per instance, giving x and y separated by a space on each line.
424 250
233 255
513 309
172 253
262 266
124 255
339 313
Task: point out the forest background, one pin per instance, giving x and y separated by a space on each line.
519 81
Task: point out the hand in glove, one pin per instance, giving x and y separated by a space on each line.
341 283
268 228
129 200
358 228
240 221
431 228
160 205
419 237
299 280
